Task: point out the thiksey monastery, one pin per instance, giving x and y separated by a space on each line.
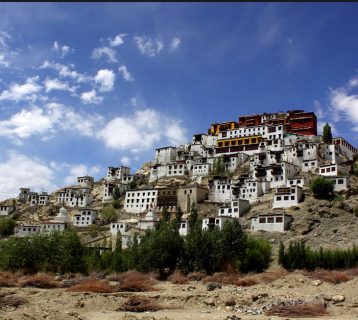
231 167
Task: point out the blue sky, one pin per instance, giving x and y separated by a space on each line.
84 86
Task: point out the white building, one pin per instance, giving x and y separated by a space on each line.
28 230
287 197
345 148
23 195
75 197
165 155
215 222
85 217
117 173
119 226
6 209
331 170
85 181
340 183
184 227
220 189
235 209
310 165
253 189
44 199
149 221
271 222
140 200
201 169
301 182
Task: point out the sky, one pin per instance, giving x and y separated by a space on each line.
84 86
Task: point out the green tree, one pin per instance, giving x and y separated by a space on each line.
219 166
166 214
7 226
327 134
116 193
132 185
257 256
109 214
322 188
193 217
117 261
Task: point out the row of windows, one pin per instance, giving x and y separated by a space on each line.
285 198
270 220
133 194
143 200
330 169
222 211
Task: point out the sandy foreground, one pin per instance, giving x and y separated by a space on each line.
187 301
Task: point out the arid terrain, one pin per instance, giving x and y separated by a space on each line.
192 300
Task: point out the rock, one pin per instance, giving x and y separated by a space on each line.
258 296
301 280
229 301
317 283
210 302
338 298
213 285
229 308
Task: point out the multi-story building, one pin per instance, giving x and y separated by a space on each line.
75 197
85 217
85 181
44 199
167 198
140 200
213 222
287 197
6 208
220 189
234 209
345 147
189 195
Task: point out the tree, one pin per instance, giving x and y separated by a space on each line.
218 166
132 185
355 168
193 217
165 215
109 214
7 226
116 193
327 134
322 188
117 260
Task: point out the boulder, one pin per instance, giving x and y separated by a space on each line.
229 301
338 298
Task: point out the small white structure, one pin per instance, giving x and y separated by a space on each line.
28 230
220 189
6 209
287 197
310 165
85 181
62 216
340 183
119 226
271 222
149 221
85 217
296 182
201 169
235 209
330 170
44 199
140 200
215 222
184 227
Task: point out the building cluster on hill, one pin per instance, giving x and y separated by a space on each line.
272 155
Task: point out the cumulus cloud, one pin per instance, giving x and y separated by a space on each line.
66 71
18 170
104 52
105 78
175 44
48 120
140 131
117 40
90 97
125 73
56 84
148 46
80 170
63 50
18 92
126 161
5 52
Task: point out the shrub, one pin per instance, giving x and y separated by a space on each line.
331 276
92 285
231 278
7 226
322 188
134 281
10 301
257 255
178 278
139 304
43 281
109 214
298 310
7 280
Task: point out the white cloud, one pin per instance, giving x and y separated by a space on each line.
105 78
148 46
353 82
56 84
133 102
140 131
26 91
90 97
175 44
80 170
5 52
105 52
66 71
118 40
125 73
126 161
18 170
47 121
62 50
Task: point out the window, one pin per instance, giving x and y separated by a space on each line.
306 164
292 197
285 198
333 169
262 220
340 181
270 220
278 198
323 170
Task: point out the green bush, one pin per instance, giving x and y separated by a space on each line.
109 214
7 226
322 188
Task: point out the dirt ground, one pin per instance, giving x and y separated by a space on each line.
187 301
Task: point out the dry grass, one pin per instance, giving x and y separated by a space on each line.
197 276
269 276
133 281
352 272
231 278
139 304
298 310
10 301
92 285
7 280
331 276
43 281
178 278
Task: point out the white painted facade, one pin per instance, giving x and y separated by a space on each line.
119 226
271 222
339 183
150 220
235 209
85 181
44 199
184 228
310 165
220 190
140 200
331 170
215 222
301 182
84 218
75 197
201 169
251 190
6 209
117 173
287 197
